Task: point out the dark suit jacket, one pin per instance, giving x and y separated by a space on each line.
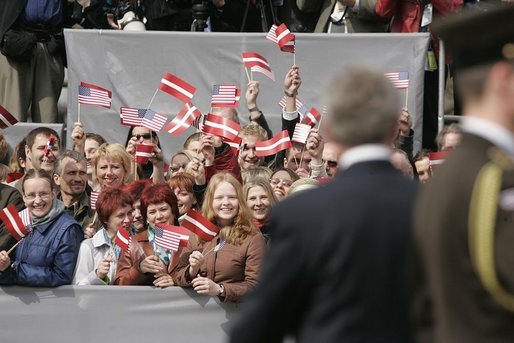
336 270
8 195
461 308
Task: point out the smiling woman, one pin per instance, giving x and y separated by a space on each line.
47 256
112 166
227 266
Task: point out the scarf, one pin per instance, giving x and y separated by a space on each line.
260 223
56 209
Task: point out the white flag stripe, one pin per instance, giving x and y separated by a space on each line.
221 126
182 122
256 59
273 146
436 162
14 224
284 33
177 87
200 226
143 154
123 239
25 217
263 71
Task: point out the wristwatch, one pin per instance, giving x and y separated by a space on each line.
222 290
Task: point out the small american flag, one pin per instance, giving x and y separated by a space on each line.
93 198
300 106
224 96
166 239
94 95
153 120
272 36
301 133
400 79
25 217
132 116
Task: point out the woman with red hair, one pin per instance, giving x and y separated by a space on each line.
96 264
146 263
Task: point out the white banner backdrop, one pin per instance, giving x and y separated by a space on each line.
128 314
131 64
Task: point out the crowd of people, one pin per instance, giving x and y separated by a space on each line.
329 222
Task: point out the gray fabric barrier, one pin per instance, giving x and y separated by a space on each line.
131 64
112 314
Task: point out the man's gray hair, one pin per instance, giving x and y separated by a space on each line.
363 107
75 155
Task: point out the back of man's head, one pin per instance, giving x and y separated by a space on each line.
363 108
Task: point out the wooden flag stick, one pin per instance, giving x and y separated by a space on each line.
135 169
301 157
78 113
14 246
247 74
406 97
294 56
153 97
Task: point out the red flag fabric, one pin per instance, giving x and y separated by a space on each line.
13 222
177 87
301 133
225 96
49 145
285 38
93 95
437 158
132 116
6 118
258 64
220 126
200 225
93 198
312 118
234 144
184 119
143 153
278 143
11 177
122 239
170 237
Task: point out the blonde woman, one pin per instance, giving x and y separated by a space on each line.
232 271
260 199
112 166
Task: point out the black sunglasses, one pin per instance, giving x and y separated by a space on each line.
144 135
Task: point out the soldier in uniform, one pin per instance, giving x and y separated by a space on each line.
464 218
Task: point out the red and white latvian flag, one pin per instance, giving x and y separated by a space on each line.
122 239
93 198
312 117
93 95
6 118
177 87
220 126
13 222
49 145
285 38
234 144
258 64
225 96
301 133
272 146
143 153
437 158
199 225
184 119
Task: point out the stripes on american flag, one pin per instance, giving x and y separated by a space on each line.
25 217
170 237
153 120
6 118
300 106
271 35
399 79
93 95
93 198
301 133
224 96
132 116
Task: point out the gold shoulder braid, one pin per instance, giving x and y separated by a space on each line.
482 222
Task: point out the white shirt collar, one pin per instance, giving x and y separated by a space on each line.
99 239
364 153
490 131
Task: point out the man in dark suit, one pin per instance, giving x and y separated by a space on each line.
464 220
336 268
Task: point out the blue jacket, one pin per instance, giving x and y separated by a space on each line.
47 255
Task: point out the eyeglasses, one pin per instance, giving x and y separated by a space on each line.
42 195
331 164
275 181
144 135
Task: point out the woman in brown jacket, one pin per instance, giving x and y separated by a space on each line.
143 264
233 270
